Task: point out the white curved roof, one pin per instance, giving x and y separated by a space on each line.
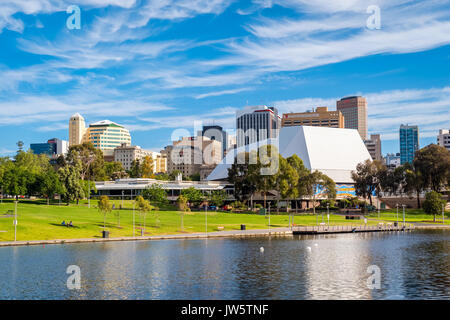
333 151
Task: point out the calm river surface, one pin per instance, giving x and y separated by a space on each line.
413 266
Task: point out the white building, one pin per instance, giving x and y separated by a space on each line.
392 160
443 138
126 154
334 151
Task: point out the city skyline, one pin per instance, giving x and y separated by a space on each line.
158 71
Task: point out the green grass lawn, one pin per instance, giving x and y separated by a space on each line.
38 221
411 215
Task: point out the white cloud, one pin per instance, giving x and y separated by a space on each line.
220 93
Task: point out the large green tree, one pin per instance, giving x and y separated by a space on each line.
433 203
433 161
91 159
155 194
70 177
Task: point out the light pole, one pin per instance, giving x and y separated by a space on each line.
443 210
397 213
269 217
206 220
122 198
133 209
328 214
403 214
15 220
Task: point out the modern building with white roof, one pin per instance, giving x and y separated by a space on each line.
333 151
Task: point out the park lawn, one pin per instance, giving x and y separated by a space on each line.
411 215
38 221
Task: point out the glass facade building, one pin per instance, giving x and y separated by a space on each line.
409 143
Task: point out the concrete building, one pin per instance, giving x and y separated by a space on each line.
335 152
190 153
354 110
126 154
217 133
443 138
409 143
104 135
392 160
53 148
320 117
77 130
373 145
256 123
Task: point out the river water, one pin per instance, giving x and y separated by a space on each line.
414 265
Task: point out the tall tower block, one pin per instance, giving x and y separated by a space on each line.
77 129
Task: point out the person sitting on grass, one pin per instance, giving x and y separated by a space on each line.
70 224
63 223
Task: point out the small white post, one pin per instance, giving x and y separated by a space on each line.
15 220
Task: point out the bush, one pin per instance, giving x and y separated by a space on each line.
433 203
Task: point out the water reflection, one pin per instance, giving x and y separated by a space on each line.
413 266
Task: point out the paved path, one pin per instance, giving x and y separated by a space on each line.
218 234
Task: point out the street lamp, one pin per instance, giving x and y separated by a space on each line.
15 220
206 220
403 214
397 213
328 214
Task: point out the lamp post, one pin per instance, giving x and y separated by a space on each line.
397 213
403 214
443 211
15 220
122 198
206 220
328 213
269 217
133 209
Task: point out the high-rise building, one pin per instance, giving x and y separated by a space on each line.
256 123
126 154
189 154
409 143
321 117
217 133
77 129
53 148
373 145
354 110
104 135
443 138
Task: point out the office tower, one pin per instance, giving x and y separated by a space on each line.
107 135
354 110
373 145
409 143
53 148
77 129
321 117
217 133
256 123
443 138
392 160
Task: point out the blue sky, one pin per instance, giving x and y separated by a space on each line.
157 66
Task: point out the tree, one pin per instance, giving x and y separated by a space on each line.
317 180
135 169
194 196
433 162
367 178
413 181
433 203
303 173
266 180
217 197
243 174
286 180
104 206
143 208
114 170
155 194
147 167
48 184
69 176
15 181
91 159
183 208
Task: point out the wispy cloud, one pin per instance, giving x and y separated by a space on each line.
221 93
